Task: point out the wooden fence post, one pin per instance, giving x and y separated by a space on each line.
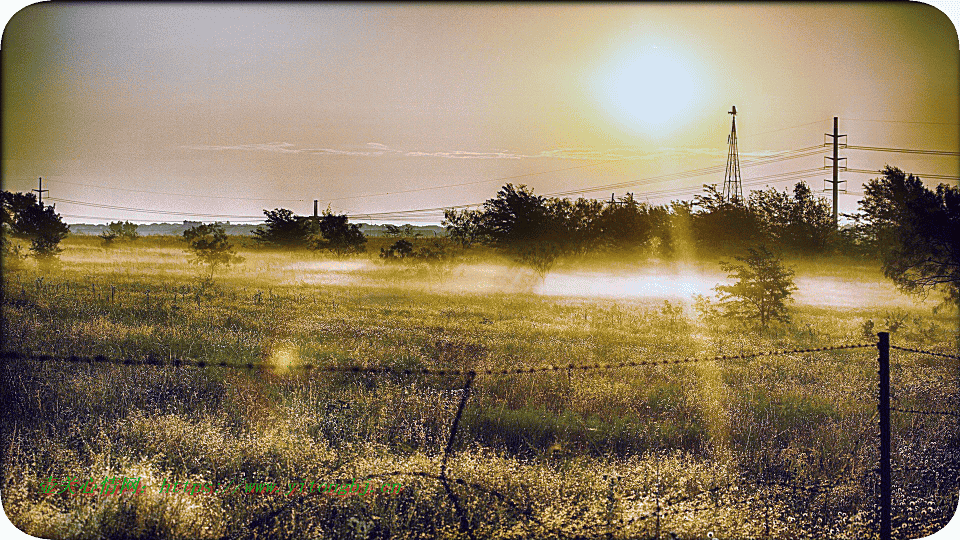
883 345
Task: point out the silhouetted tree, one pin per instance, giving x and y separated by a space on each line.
763 286
915 231
725 225
335 234
463 227
210 247
29 220
528 227
628 225
802 223
286 229
580 224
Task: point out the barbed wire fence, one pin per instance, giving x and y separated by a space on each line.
663 508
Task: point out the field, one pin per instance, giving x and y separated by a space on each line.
780 446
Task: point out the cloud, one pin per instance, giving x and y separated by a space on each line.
279 147
380 149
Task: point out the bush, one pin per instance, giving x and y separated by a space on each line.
401 249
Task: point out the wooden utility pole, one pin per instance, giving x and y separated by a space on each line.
40 191
836 169
883 408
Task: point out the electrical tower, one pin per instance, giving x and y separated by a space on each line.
732 188
836 167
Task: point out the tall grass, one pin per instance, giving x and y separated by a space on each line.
639 452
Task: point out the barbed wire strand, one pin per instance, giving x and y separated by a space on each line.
387 370
921 351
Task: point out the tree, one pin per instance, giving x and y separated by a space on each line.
914 231
801 223
392 231
463 227
335 233
723 224
533 230
762 289
120 230
627 225
285 229
29 220
210 247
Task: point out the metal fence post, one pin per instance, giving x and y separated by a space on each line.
883 345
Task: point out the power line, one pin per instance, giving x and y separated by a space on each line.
791 127
192 195
78 216
920 175
904 150
415 190
780 177
419 212
781 156
903 122
149 211
410 214
500 179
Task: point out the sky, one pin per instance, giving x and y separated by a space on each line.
170 112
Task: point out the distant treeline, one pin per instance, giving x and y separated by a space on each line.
240 229
912 230
520 221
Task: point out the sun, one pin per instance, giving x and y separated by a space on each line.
650 91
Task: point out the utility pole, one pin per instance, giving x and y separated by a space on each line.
626 200
836 168
883 408
40 191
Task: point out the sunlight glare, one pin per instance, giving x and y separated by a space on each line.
650 91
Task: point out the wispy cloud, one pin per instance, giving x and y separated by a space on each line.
380 149
278 147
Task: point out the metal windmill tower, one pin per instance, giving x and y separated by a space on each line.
732 188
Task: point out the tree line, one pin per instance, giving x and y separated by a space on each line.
910 228
914 231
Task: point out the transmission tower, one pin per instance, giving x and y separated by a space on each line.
732 188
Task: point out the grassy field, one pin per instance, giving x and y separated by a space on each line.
772 447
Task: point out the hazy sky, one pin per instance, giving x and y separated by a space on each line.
226 110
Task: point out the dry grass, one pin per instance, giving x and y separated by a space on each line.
564 454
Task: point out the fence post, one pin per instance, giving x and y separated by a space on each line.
883 345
